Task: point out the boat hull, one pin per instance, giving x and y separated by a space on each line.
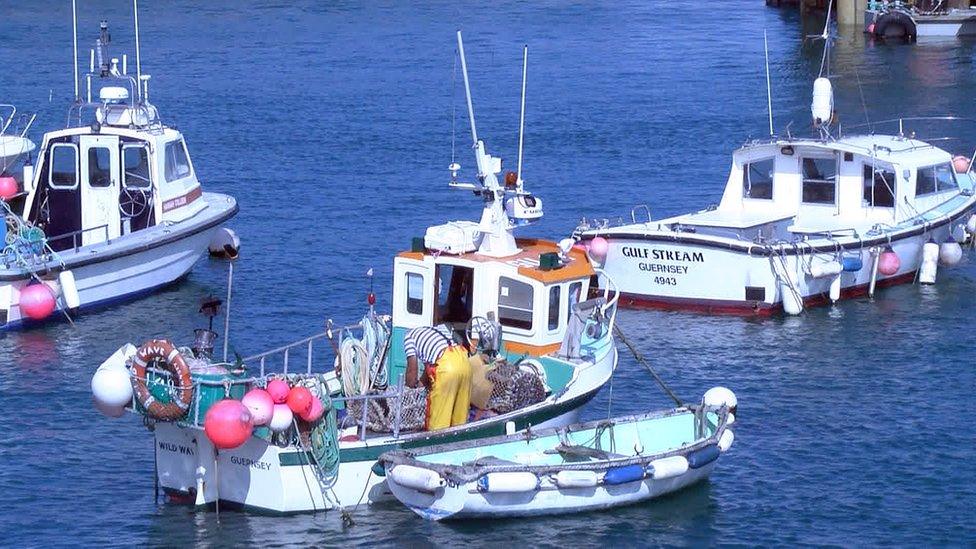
264 477
715 279
137 270
465 501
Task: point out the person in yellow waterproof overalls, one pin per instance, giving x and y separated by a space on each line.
446 374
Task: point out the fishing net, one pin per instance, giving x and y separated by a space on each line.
381 413
514 386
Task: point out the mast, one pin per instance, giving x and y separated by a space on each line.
135 13
525 65
769 89
74 41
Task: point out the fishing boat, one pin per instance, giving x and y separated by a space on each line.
519 305
595 465
904 21
802 221
112 208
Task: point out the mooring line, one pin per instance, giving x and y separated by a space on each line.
645 364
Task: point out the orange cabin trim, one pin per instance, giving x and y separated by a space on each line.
532 350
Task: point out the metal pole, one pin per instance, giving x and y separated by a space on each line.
467 88
525 67
769 89
74 29
230 288
135 12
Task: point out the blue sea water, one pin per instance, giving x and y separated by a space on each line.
332 125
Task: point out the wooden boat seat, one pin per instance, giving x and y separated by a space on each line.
572 452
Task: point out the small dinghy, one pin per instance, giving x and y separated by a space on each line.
595 465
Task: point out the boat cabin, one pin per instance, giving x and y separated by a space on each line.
528 295
96 183
782 189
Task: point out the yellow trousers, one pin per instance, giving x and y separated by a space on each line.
450 394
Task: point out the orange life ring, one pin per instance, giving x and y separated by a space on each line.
164 352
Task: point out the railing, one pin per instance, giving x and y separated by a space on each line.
75 234
637 208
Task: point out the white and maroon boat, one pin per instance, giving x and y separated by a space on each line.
111 209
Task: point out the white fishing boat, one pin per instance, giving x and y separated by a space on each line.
111 209
595 465
802 221
540 352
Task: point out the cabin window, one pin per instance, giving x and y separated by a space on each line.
64 166
415 293
554 307
757 179
135 159
935 179
177 163
515 303
575 289
879 187
819 180
99 167
455 293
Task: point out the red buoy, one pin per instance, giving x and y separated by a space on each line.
889 262
37 301
300 400
315 411
228 424
278 389
8 188
260 404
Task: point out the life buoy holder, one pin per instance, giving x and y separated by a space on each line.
162 352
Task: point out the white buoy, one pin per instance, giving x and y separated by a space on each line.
721 396
725 442
69 290
822 107
576 479
508 483
826 269
418 478
111 386
669 467
835 289
792 302
930 263
225 243
950 252
971 225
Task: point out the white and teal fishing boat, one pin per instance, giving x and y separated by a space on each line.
520 302
589 466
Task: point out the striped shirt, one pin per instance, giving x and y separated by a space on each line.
427 343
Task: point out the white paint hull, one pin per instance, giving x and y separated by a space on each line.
262 476
723 280
465 501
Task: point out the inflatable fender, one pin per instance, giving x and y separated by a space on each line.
887 25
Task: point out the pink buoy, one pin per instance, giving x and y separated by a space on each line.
315 411
871 28
960 164
260 404
599 247
281 419
888 263
8 188
278 389
37 301
299 400
228 424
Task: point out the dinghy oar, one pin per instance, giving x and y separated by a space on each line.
644 363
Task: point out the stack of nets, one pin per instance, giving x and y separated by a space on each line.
381 413
514 386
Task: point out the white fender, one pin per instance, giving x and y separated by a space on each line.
835 289
950 253
514 482
576 479
69 290
669 467
418 478
225 243
725 442
930 263
826 269
822 107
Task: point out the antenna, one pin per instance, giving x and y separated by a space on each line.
467 88
769 89
74 31
525 68
135 13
